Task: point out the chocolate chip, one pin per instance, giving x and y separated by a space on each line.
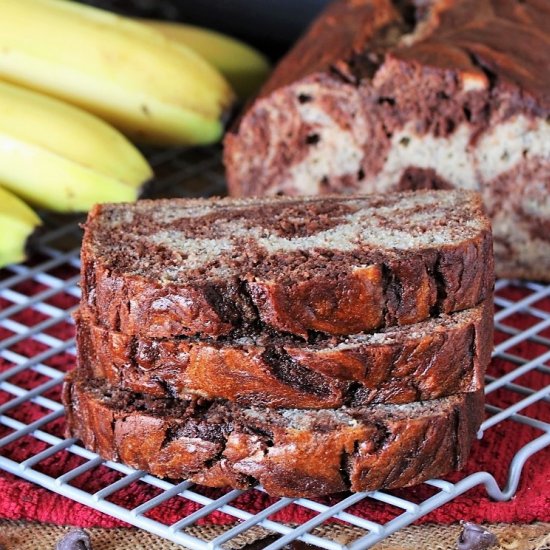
295 545
77 539
388 100
313 139
475 537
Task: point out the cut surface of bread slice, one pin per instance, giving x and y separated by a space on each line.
291 452
316 265
435 358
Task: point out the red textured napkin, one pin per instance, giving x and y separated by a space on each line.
23 500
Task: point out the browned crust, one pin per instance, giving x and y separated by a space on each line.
392 291
336 39
220 445
351 37
280 372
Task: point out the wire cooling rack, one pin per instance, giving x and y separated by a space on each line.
45 288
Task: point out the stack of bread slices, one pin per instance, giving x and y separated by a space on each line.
313 345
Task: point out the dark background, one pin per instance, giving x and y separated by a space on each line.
271 25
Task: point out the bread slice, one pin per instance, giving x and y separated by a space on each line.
428 360
294 453
394 98
299 266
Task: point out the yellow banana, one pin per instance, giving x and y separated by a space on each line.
17 222
119 69
58 157
244 67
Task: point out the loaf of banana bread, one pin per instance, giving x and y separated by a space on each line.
385 95
224 268
424 361
294 453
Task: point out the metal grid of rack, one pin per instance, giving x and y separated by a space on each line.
46 287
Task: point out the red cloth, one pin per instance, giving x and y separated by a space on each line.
23 500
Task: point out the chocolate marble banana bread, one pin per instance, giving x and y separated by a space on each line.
428 360
383 95
295 453
225 268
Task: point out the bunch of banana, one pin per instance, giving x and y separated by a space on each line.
119 69
244 67
17 223
58 157
68 70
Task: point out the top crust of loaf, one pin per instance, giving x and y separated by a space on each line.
468 36
172 240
